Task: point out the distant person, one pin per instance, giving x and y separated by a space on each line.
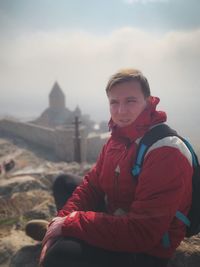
6 166
128 229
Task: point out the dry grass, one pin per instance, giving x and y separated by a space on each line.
13 208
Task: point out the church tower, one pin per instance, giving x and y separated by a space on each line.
56 98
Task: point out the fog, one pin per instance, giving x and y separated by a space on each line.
82 62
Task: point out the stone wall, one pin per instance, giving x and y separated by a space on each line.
30 132
59 140
94 144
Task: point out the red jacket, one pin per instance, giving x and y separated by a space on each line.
139 211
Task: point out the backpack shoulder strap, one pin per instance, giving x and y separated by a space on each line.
153 135
194 212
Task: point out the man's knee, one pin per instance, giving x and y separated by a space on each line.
63 187
66 182
64 252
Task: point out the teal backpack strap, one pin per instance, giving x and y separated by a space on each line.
139 160
179 215
166 240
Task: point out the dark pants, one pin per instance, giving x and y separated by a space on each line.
71 252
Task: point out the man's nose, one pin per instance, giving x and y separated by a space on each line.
122 108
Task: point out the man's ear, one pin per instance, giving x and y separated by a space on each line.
148 99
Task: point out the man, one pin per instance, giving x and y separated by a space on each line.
129 230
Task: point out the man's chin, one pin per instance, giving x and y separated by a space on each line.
124 124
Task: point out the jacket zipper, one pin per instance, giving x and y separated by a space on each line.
116 186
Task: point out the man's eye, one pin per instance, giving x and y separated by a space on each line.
131 101
113 102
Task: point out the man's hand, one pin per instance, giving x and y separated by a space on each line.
45 247
54 231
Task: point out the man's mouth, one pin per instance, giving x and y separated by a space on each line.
124 120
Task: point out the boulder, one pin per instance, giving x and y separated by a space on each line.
34 204
11 243
27 256
19 184
187 254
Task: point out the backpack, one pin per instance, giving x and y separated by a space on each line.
192 221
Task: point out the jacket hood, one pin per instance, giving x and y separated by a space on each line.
149 117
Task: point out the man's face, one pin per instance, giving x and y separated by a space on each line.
126 102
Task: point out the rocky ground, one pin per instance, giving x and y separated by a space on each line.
25 193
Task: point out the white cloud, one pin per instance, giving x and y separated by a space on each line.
144 1
83 62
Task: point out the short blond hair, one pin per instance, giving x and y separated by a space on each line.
128 75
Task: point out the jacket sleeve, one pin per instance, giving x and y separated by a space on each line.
165 178
88 194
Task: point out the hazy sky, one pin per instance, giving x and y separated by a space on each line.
80 43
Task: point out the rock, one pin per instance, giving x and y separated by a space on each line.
11 243
27 256
19 184
187 254
46 213
5 253
38 204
